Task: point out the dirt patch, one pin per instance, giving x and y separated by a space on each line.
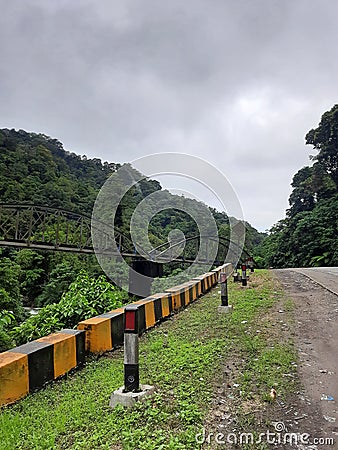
310 320
315 332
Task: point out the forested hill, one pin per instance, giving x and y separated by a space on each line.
308 236
35 168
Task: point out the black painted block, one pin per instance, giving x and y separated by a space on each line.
80 336
158 309
117 330
40 362
182 297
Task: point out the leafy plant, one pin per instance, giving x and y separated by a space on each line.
85 298
6 318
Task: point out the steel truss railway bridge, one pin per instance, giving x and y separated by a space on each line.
54 229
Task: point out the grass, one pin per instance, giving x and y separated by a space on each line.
182 358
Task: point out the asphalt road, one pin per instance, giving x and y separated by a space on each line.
325 276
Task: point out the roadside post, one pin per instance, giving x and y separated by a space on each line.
131 391
224 307
244 278
236 275
251 264
131 350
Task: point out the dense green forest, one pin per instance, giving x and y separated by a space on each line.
36 169
308 236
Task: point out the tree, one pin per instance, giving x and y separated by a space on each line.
302 197
32 274
10 288
325 139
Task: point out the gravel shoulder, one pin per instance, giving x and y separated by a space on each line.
306 314
315 333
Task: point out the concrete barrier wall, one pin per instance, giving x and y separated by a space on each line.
28 367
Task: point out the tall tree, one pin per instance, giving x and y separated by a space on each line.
325 139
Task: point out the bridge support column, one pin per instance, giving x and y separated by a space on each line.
142 267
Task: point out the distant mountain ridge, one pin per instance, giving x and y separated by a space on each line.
35 168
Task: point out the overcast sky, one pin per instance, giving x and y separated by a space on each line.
238 83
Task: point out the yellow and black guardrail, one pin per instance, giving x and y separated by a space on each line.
30 366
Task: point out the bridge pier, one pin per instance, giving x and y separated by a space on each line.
141 267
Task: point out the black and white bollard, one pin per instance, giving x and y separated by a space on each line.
131 351
236 275
244 278
225 307
132 391
224 289
252 269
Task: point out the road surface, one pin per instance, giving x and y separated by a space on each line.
315 334
325 276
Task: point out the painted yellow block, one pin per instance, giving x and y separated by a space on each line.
149 310
176 297
14 383
209 280
195 291
150 313
188 288
98 334
199 288
165 305
64 352
186 294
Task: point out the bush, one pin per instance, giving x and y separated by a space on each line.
6 319
85 298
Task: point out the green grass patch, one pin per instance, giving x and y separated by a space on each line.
181 358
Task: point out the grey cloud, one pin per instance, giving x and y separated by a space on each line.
238 83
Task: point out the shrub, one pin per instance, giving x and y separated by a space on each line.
85 298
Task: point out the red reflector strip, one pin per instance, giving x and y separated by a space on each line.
130 320
244 267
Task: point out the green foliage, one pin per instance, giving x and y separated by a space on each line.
10 287
308 235
6 318
59 280
31 275
325 139
85 298
184 359
35 169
